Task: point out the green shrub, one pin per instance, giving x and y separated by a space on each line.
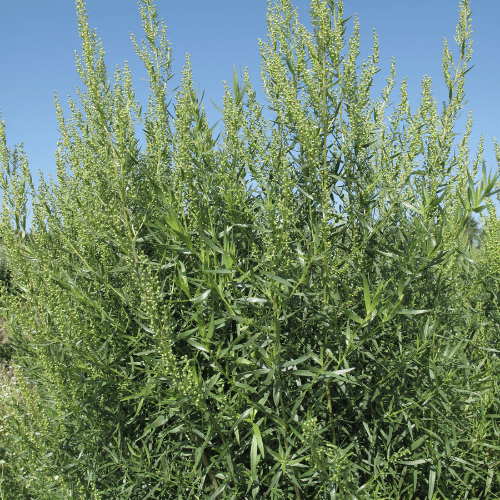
177 336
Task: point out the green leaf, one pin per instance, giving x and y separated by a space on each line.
257 434
336 373
241 418
301 373
182 235
196 344
295 362
212 245
352 315
253 300
376 298
182 281
400 287
201 298
209 334
218 271
254 457
411 207
410 312
366 290
426 196
278 279
418 442
432 481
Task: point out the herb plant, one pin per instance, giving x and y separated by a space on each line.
330 334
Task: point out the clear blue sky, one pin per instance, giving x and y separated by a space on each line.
38 40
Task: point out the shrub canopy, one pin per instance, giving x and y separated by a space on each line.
331 333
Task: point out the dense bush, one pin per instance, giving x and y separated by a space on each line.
333 335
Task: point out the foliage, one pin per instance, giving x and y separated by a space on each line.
5 274
177 336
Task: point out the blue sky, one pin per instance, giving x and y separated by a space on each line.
38 41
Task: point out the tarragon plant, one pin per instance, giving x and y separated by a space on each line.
327 334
